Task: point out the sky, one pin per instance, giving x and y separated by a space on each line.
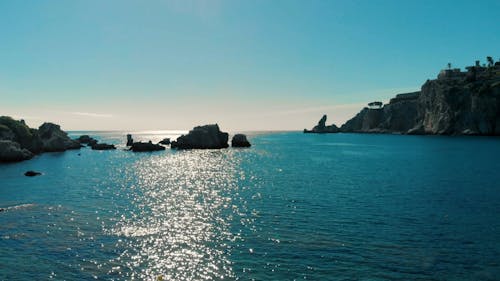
246 65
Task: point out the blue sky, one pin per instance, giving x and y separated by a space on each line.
244 64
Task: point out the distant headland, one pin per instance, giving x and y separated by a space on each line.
456 103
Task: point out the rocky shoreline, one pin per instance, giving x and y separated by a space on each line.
18 142
456 103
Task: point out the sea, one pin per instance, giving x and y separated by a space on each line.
294 206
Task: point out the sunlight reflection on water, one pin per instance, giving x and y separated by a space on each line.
180 232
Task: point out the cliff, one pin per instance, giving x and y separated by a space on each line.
465 103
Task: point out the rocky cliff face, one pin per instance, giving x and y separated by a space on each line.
443 106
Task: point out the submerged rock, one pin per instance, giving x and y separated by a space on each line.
12 152
103 146
322 128
202 137
32 174
240 140
146 146
130 140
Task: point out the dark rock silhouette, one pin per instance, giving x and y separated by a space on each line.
145 146
240 140
103 146
32 174
130 140
165 141
11 151
202 137
322 128
54 139
19 132
457 103
86 139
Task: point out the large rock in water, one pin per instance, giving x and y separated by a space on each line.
12 152
202 137
19 132
240 140
146 146
322 128
54 139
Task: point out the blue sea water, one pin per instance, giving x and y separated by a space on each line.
293 207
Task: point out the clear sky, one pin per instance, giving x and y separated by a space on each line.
244 64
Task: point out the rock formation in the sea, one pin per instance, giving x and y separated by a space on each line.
456 103
32 174
86 139
11 151
54 139
103 146
19 142
322 128
130 140
165 141
145 146
240 140
202 137
19 132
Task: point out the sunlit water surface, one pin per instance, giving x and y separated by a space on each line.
292 207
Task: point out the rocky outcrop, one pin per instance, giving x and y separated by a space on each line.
103 146
11 151
86 139
322 128
165 141
240 140
202 137
130 140
54 139
145 147
21 142
19 132
449 105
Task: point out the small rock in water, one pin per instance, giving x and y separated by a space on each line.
240 140
2 209
103 146
130 140
165 141
32 173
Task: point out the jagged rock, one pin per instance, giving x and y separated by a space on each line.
92 142
103 146
12 152
54 139
145 146
322 128
202 137
19 132
130 140
32 174
165 141
86 139
240 140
